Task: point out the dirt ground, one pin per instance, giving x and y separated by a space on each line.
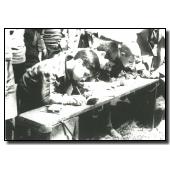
134 129
137 128
131 130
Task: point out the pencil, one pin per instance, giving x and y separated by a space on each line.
78 90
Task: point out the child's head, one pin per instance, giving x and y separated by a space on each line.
86 65
126 56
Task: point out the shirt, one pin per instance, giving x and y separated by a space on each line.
18 46
34 44
10 87
44 81
9 74
52 38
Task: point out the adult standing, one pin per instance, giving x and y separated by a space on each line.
18 52
35 47
10 90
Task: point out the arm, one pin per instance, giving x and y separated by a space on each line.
35 83
76 100
45 87
65 99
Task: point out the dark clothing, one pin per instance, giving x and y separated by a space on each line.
34 45
42 81
19 70
115 70
84 41
51 51
143 42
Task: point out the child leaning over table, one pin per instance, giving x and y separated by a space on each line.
100 122
56 80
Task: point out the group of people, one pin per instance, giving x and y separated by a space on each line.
50 65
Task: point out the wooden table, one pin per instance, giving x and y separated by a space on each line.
44 122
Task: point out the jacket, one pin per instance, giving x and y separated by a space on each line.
43 81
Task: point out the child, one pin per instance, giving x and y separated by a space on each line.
55 79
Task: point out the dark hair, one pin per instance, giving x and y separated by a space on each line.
124 49
90 60
112 52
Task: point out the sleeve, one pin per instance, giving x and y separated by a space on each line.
41 85
51 84
31 79
55 92
36 85
56 98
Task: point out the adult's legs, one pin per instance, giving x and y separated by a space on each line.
19 70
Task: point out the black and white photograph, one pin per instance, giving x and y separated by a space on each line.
85 84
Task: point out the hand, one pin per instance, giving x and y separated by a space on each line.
155 75
88 94
45 52
76 100
145 74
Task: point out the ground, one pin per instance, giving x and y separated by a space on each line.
131 130
136 128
